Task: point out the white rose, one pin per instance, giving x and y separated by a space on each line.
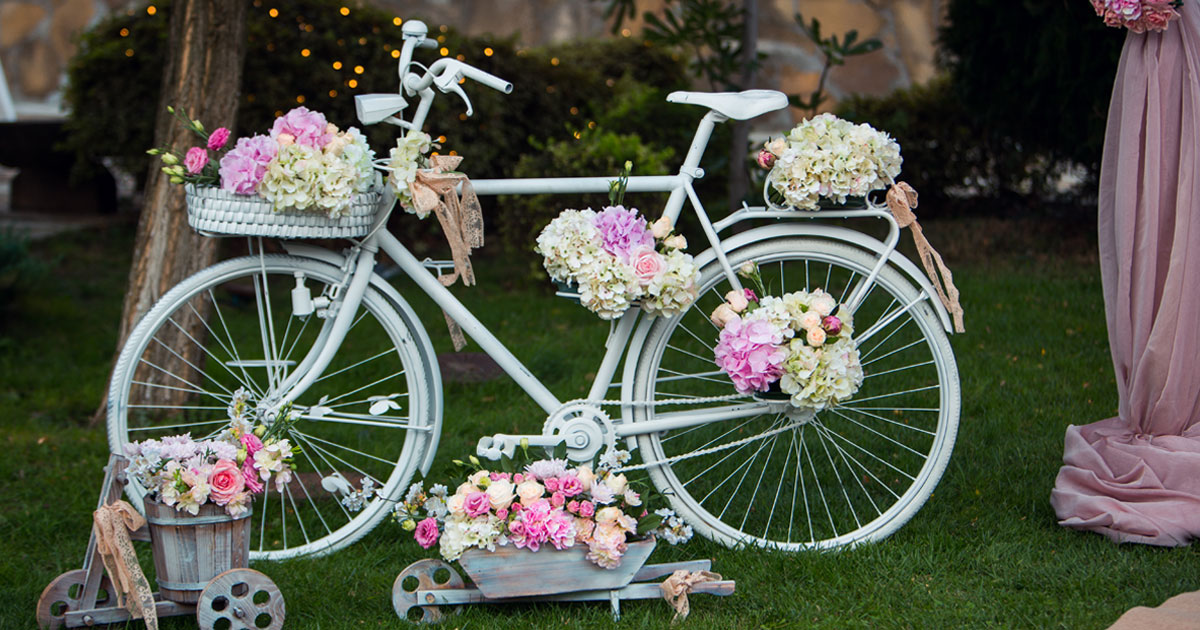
530 491
586 476
500 493
617 483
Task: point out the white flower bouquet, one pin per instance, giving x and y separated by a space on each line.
826 157
801 340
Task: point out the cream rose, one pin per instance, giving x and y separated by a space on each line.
586 476
501 493
677 242
661 228
810 320
824 305
608 515
530 491
618 483
723 315
816 337
737 300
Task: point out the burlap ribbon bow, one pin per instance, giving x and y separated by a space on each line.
112 524
675 589
901 200
436 190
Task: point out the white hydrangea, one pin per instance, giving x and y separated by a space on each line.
672 291
827 157
292 179
607 287
359 154
337 183
404 161
569 244
821 377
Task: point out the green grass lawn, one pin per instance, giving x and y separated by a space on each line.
985 551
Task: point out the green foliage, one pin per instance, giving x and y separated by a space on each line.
835 53
711 30
18 268
1037 76
945 149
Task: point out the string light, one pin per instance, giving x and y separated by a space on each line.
574 111
306 52
300 99
128 52
358 70
441 138
554 61
273 13
396 21
344 10
488 52
395 54
461 57
151 10
124 32
626 32
444 51
352 83
337 65
362 41
332 93
441 39
443 28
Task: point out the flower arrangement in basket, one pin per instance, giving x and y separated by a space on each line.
546 504
801 340
1139 16
615 258
827 158
226 471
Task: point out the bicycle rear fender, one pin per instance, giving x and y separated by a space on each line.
335 259
834 233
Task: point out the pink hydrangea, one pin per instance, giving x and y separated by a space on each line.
427 532
243 168
749 351
540 523
622 231
307 127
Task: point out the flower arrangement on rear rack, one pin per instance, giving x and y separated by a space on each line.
304 163
826 157
1139 16
801 340
615 258
546 504
226 470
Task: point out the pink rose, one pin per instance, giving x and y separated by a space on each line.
587 509
218 139
502 513
427 532
250 475
570 486
477 504
498 476
557 499
766 159
573 507
225 481
832 325
551 484
647 265
195 160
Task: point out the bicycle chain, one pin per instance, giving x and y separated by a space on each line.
682 401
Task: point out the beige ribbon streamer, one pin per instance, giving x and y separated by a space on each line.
461 218
112 524
901 200
675 589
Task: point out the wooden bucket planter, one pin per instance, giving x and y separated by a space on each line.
511 572
189 551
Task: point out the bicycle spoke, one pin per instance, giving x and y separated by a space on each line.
232 349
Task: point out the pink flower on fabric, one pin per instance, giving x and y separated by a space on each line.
243 168
477 504
195 159
307 127
622 231
218 139
749 351
427 533
250 475
225 481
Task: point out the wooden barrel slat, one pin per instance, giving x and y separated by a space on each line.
190 551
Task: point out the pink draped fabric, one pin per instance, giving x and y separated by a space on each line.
1136 477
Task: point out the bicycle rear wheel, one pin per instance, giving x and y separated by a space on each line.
232 327
853 472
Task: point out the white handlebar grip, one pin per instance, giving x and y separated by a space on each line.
488 79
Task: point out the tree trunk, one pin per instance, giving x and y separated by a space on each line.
202 77
739 179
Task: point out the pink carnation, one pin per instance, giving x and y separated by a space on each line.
427 532
749 351
309 128
570 486
218 139
250 474
243 168
252 444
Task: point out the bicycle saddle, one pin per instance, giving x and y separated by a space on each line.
735 105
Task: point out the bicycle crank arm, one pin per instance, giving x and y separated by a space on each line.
493 446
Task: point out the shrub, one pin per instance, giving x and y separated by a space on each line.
18 269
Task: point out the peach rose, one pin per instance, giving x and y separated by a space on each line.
816 337
737 300
661 228
530 491
723 315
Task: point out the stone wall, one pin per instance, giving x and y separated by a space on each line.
37 38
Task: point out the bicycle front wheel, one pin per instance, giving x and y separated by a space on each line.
854 472
370 418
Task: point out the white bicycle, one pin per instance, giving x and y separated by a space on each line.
357 365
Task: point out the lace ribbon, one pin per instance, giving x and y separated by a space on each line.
112 524
460 217
901 200
675 589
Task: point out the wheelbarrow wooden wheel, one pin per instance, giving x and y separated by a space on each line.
423 575
62 596
240 599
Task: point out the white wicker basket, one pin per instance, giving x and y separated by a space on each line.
215 211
